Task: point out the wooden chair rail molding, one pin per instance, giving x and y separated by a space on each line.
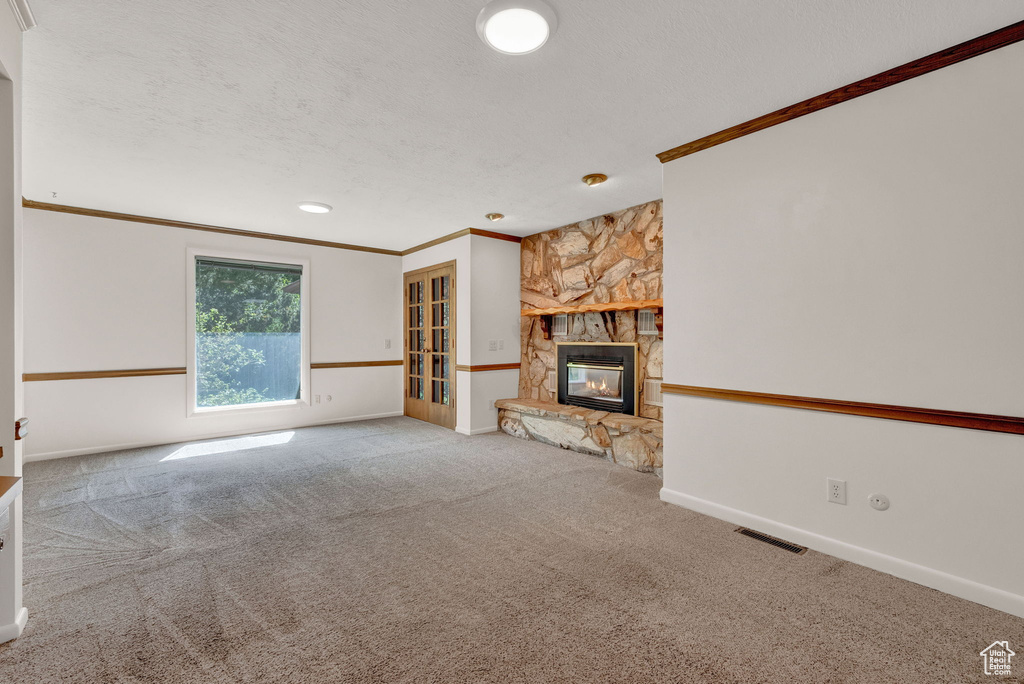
972 421
143 372
919 67
488 367
355 364
91 375
584 308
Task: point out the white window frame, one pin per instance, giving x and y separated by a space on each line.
193 411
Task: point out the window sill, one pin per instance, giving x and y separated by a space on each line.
237 409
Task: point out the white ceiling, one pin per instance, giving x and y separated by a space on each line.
229 112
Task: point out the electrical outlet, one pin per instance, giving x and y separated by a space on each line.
501 344
387 343
837 491
316 398
492 345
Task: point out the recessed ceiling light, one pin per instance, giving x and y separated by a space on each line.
495 217
516 27
315 207
593 179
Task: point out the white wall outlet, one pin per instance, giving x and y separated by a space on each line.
492 345
316 398
501 344
880 502
837 491
387 343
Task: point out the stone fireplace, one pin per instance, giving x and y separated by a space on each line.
583 384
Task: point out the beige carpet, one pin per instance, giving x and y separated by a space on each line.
394 551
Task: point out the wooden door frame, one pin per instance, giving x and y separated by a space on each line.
453 345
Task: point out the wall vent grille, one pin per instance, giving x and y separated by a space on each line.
774 541
645 322
652 392
560 324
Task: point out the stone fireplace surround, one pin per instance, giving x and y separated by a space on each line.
611 259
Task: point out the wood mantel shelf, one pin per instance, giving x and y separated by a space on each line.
584 308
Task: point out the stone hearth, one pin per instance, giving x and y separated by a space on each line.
626 440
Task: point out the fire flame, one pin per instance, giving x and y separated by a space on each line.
591 385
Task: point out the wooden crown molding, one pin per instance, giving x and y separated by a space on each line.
355 364
23 13
462 233
960 419
919 67
170 223
92 375
488 367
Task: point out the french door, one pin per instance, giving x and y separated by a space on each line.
430 344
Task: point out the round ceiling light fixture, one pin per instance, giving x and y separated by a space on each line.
593 179
516 27
315 207
495 217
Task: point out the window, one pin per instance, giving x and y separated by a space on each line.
248 342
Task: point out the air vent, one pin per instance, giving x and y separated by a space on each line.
646 323
560 324
760 536
552 381
652 392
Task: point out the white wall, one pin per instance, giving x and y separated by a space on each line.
12 614
103 294
870 252
487 308
496 310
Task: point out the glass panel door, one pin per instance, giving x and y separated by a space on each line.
429 304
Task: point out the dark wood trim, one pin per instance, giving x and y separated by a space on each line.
919 67
170 223
20 428
91 375
462 233
488 367
961 419
495 236
355 364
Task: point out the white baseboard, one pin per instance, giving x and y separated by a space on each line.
936 579
14 630
478 431
29 458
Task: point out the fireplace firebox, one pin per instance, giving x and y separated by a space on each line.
600 376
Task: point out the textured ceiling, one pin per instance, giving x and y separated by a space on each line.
229 112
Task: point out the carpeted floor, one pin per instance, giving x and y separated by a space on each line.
395 551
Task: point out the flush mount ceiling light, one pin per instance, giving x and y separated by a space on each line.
516 27
593 179
315 207
495 217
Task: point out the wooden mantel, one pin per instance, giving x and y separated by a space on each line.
584 308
